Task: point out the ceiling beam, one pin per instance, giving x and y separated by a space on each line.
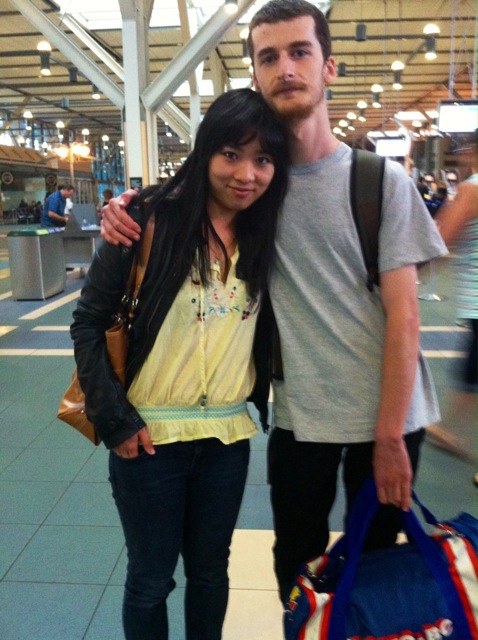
71 51
191 55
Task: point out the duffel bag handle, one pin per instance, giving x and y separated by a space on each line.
363 510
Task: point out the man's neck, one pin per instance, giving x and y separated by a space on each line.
310 140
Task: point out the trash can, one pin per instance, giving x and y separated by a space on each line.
37 263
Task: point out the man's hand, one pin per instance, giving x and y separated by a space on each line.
116 225
129 448
393 473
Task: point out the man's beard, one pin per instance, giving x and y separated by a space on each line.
296 110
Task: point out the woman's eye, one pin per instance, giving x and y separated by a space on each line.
230 155
263 160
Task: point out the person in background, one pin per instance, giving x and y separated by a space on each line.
55 205
452 180
458 225
199 348
332 329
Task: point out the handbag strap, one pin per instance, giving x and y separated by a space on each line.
364 508
138 269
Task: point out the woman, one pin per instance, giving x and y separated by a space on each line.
179 431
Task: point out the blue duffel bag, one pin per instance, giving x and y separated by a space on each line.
424 589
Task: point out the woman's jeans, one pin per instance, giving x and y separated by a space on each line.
185 499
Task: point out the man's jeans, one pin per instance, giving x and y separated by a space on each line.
185 499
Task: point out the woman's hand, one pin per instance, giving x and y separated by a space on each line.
129 448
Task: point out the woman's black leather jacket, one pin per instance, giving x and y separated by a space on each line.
114 417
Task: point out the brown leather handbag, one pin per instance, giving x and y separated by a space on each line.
72 405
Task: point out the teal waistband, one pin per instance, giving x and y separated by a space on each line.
191 413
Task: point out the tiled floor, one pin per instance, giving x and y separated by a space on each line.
62 562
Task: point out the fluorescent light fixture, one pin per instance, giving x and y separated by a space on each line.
410 115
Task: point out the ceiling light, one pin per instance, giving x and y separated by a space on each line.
361 104
328 94
231 6
362 117
60 124
27 114
73 72
105 138
397 65
121 143
351 115
432 114
416 123
246 58
431 53
376 101
43 45
341 69
376 88
343 123
360 32
244 33
337 130
85 132
397 80
95 93
45 63
431 29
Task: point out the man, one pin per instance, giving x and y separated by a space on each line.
54 209
355 389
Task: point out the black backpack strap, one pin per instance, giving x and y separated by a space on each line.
366 178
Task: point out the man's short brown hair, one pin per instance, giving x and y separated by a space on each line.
284 10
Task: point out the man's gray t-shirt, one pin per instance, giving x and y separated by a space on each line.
331 326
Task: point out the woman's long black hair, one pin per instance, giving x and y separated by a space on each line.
235 117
